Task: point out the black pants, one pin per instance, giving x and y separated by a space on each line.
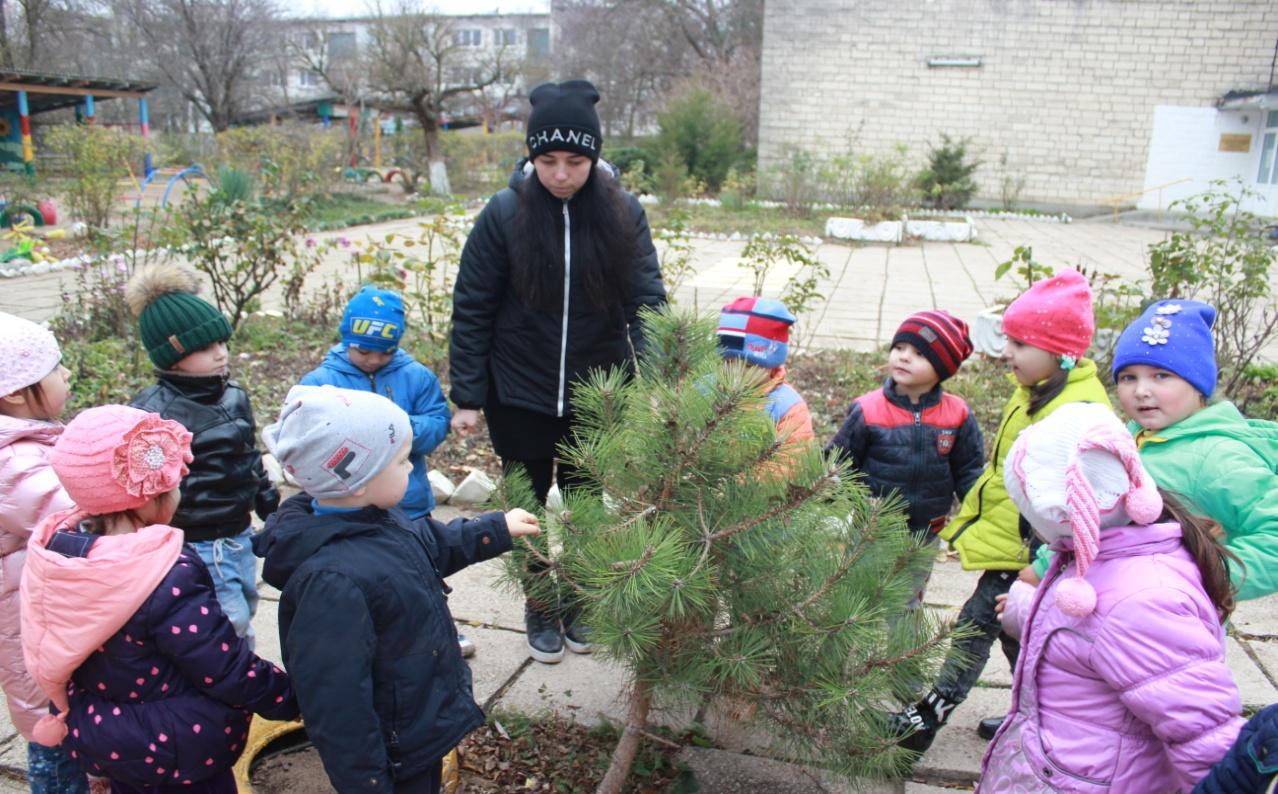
959 675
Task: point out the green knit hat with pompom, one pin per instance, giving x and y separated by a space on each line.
173 321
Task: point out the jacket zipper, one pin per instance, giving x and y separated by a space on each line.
980 495
563 338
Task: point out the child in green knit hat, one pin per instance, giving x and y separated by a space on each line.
186 337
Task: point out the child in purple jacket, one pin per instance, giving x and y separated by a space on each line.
1121 684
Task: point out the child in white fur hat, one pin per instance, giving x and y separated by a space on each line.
1121 680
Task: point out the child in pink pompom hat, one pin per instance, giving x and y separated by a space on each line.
150 685
1122 673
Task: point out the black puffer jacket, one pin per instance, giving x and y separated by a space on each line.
227 481
929 452
367 636
533 357
1251 765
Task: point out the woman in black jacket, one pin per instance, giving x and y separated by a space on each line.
550 285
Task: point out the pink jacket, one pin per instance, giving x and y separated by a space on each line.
29 492
72 605
1134 697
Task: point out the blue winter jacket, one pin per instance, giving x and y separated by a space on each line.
411 386
1251 765
367 635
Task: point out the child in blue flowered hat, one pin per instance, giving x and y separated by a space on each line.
1221 462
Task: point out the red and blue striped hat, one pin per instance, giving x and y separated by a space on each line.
941 337
757 330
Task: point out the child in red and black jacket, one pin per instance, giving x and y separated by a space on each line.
911 437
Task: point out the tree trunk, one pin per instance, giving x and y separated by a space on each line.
439 185
623 755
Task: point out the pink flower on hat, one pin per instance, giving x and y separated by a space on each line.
152 458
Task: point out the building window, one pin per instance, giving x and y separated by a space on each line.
309 78
341 45
468 37
505 37
310 40
539 41
1268 174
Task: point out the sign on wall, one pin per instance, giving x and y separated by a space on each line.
1235 142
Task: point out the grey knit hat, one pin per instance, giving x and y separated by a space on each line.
333 441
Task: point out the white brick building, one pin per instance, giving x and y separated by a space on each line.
1089 99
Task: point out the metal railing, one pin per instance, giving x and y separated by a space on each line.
1118 202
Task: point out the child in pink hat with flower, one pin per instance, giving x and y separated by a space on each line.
1122 683
121 626
1049 329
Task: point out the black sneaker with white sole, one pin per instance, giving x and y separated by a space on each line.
545 643
576 635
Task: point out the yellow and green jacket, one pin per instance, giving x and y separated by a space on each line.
987 532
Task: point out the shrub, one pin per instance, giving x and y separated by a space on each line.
288 161
1223 260
480 163
947 181
704 132
795 179
97 159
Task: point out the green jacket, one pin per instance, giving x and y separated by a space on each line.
1224 465
987 531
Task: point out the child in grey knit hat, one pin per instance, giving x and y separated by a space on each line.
367 636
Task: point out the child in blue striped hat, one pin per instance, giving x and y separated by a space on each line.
757 331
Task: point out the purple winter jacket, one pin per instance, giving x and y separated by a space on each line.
1134 697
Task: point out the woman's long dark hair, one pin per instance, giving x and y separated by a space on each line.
1200 536
602 255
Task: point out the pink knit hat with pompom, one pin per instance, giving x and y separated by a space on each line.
28 352
1073 474
115 458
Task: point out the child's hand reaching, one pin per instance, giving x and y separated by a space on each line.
1000 603
521 523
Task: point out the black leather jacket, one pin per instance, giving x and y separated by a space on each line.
227 481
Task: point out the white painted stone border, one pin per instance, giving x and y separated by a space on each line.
957 231
857 229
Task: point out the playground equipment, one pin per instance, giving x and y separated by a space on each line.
25 245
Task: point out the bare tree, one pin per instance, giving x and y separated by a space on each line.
208 50
22 44
416 65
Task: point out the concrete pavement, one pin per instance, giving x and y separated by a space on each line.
871 288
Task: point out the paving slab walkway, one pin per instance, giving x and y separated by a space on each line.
871 287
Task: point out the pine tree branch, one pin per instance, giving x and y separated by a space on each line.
632 567
694 448
798 495
551 565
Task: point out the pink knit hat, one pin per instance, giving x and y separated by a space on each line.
1071 475
1054 314
28 352
115 458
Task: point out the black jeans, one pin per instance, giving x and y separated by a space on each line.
959 675
427 782
542 473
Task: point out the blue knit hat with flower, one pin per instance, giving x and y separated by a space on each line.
373 320
1174 335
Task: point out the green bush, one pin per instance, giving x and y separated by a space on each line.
705 133
96 160
287 161
479 163
947 181
625 157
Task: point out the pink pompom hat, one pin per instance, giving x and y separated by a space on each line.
1073 474
115 458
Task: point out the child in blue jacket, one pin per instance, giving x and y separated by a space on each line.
369 359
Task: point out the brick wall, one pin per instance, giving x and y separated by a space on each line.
1067 88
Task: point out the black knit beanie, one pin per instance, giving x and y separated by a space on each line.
563 119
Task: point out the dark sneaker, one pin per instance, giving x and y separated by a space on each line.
545 644
576 635
989 726
916 732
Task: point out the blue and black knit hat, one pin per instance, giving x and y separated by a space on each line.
373 320
1174 335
